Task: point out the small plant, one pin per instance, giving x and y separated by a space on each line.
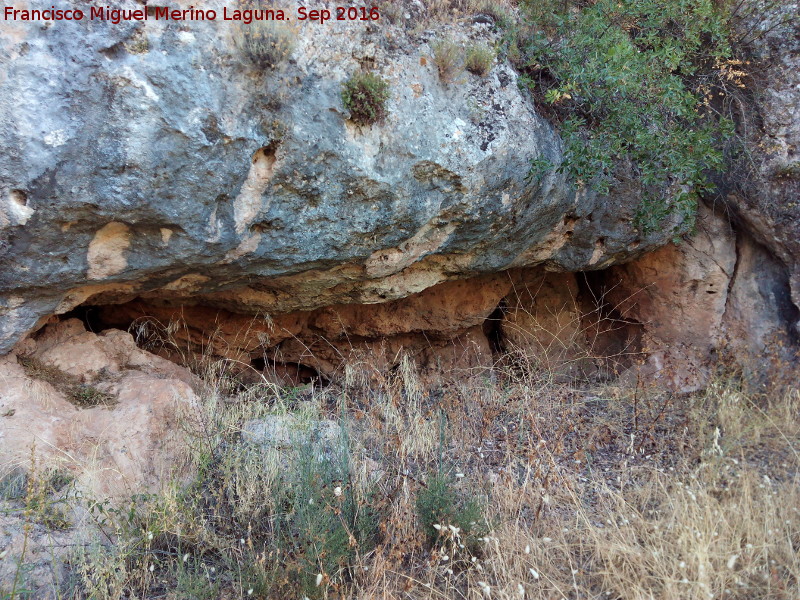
365 95
447 58
266 44
479 59
497 10
88 396
441 508
444 513
13 484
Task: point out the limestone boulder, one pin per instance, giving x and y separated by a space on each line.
147 159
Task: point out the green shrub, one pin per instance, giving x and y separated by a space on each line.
632 84
440 507
479 59
365 95
447 58
278 521
447 516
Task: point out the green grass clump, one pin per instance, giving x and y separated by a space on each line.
479 59
443 512
365 95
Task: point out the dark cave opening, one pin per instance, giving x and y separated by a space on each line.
89 315
493 328
613 339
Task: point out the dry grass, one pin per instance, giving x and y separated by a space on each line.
447 58
266 44
448 10
586 491
82 395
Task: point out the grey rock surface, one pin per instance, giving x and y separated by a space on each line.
764 188
152 159
283 432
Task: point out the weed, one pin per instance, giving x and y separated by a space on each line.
88 396
441 508
447 58
479 59
266 44
597 490
499 11
13 484
82 395
365 96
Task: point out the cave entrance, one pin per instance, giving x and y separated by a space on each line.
197 336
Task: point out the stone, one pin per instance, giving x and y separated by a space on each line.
148 163
286 431
762 188
128 445
544 323
717 291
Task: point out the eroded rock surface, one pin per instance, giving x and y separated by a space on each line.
96 406
152 159
763 190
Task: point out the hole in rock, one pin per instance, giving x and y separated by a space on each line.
89 316
19 197
493 328
288 373
613 339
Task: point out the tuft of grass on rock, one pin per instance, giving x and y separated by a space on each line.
365 95
479 59
82 395
447 58
266 44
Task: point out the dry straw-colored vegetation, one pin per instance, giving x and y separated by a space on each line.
505 484
448 10
447 56
265 43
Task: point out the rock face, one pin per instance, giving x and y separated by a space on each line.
442 321
153 173
152 159
96 406
763 191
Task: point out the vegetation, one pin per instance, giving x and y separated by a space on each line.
635 86
266 44
447 58
521 486
82 395
499 10
479 59
446 11
365 95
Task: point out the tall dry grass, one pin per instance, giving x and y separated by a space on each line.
586 490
